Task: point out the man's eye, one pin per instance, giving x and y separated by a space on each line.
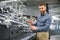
41 8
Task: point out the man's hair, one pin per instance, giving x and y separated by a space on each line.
42 3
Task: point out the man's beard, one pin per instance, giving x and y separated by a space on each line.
42 13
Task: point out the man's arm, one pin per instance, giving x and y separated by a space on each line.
47 24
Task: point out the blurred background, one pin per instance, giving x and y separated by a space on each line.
29 10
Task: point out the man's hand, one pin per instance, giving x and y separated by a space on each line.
30 22
33 27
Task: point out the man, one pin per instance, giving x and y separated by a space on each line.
42 24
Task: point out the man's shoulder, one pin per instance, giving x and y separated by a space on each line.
48 16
